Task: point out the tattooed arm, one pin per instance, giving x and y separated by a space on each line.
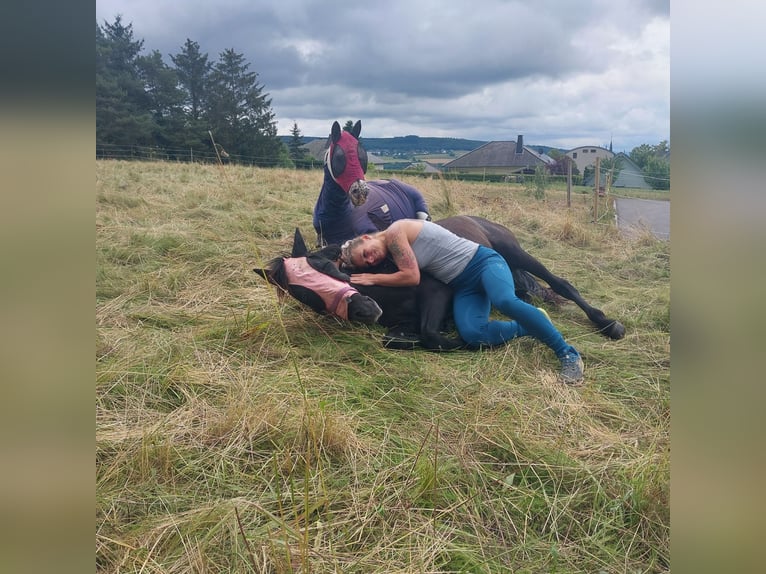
396 241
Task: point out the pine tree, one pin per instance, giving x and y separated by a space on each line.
163 99
193 70
140 101
122 106
297 151
239 112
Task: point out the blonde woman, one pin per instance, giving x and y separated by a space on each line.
478 275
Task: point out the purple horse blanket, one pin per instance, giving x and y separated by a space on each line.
336 220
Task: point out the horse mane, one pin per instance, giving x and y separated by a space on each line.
274 271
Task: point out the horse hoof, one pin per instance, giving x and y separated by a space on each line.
615 330
400 340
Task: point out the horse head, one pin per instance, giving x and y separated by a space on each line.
315 280
346 159
274 272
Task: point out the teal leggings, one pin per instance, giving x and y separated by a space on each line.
487 282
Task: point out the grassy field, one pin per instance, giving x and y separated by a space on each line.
237 432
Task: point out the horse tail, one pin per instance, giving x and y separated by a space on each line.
531 290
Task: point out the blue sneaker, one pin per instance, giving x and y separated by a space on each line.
571 369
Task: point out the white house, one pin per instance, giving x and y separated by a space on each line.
586 155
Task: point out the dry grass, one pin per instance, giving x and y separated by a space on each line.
240 433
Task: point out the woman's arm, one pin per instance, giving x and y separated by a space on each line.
398 245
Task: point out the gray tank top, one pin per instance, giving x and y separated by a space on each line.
442 253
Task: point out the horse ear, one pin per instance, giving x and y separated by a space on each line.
357 129
299 245
335 132
262 272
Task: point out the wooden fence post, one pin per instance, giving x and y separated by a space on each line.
569 181
595 191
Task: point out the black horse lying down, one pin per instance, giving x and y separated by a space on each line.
419 314
315 280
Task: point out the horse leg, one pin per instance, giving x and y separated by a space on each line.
504 242
399 305
435 304
517 258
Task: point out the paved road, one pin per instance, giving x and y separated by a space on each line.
634 215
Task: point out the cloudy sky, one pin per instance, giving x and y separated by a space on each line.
563 74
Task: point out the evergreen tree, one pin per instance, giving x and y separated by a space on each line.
163 99
239 112
348 126
142 101
193 70
297 152
122 116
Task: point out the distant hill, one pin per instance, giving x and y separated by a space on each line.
407 146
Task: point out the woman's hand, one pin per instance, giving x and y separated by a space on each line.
364 278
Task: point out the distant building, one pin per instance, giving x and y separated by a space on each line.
424 167
317 147
630 175
499 158
586 155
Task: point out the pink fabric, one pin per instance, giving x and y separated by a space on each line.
334 292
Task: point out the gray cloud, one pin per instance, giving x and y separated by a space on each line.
561 74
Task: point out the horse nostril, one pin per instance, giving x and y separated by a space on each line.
358 192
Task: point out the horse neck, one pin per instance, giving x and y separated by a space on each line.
332 196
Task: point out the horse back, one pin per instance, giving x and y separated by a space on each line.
501 239
482 231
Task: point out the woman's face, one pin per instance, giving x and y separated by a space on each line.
368 253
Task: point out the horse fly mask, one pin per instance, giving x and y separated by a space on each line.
346 159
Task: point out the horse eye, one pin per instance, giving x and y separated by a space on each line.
362 153
337 161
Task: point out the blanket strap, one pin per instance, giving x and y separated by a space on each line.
338 296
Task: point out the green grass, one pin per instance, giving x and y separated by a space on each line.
237 432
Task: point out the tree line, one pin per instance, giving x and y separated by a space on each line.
196 106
